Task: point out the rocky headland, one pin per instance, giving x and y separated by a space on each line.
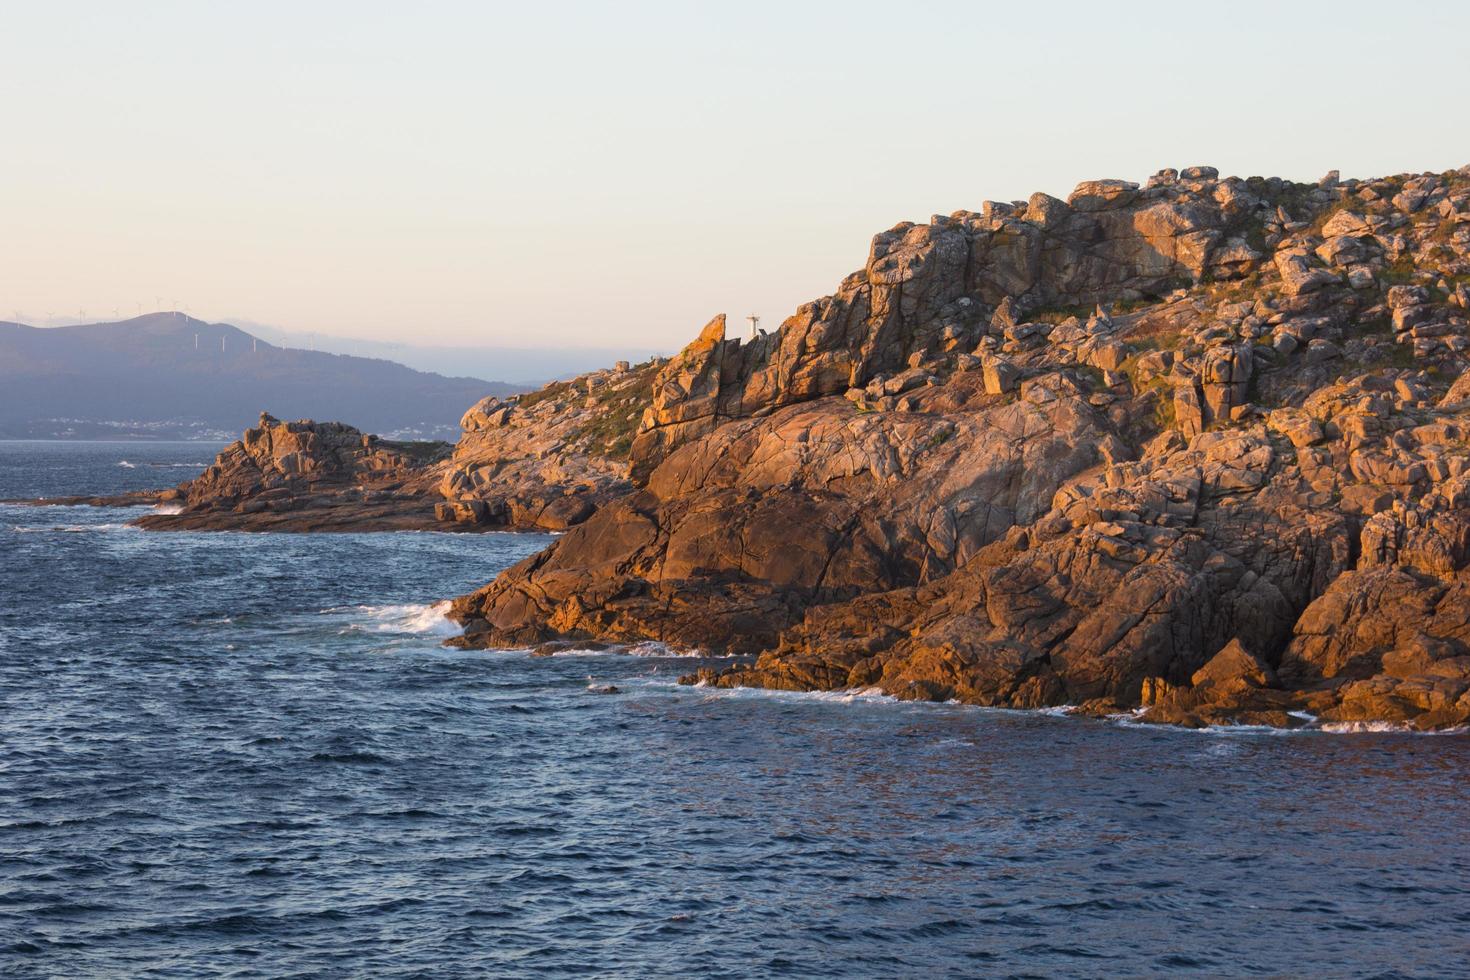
307 476
1198 450
539 461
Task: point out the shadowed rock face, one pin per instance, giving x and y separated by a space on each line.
1233 493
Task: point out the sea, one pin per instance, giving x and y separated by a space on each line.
250 755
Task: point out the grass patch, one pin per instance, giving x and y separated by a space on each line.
1163 394
418 452
552 392
1092 375
617 413
1400 272
939 438
1059 314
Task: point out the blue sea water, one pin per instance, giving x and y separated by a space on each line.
249 755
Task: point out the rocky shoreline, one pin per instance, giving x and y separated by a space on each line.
1196 449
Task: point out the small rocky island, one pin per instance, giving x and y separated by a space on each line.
1197 450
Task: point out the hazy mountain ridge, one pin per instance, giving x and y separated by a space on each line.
166 374
527 367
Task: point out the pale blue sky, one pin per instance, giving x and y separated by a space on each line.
605 173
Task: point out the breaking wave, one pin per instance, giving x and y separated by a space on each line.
865 695
417 619
1384 727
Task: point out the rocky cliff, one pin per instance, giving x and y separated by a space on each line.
550 458
1196 449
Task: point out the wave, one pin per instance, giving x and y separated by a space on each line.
648 648
1310 726
417 619
1129 719
168 509
68 528
653 648
127 466
863 695
1385 728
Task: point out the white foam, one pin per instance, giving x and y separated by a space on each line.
1245 730
1385 728
652 648
1309 727
68 528
864 695
418 619
127 466
168 509
649 648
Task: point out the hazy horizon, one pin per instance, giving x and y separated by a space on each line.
524 364
494 175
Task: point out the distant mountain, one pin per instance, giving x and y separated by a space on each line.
166 375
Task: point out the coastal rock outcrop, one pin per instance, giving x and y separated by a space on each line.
544 460
308 476
1193 449
547 459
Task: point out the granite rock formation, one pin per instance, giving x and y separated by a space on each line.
550 458
539 461
1195 449
307 476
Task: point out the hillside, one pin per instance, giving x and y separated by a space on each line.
168 375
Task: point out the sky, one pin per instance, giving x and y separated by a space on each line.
609 174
